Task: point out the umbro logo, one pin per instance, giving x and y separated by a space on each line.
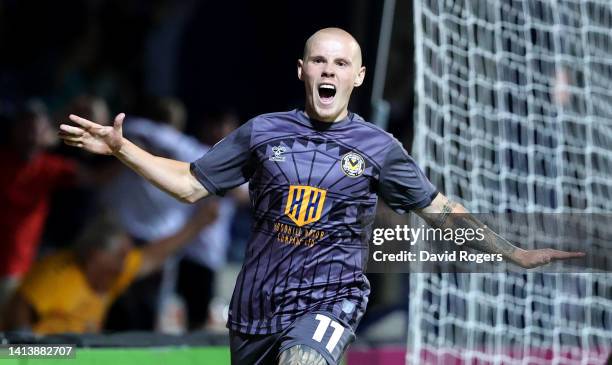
277 153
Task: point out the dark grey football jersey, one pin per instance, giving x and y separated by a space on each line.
313 188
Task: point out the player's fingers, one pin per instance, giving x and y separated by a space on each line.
82 121
119 121
562 255
73 143
70 137
69 129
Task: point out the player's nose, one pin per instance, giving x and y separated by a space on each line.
328 71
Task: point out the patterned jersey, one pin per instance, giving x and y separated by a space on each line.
313 188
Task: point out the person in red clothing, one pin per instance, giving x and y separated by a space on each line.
27 179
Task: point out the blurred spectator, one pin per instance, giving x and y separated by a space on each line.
209 253
166 110
79 203
29 176
149 213
90 107
214 126
71 291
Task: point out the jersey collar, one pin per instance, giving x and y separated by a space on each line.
319 125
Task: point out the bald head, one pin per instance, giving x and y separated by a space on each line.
330 69
338 34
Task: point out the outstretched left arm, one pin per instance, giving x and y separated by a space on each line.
445 213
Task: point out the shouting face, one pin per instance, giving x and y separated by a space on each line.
330 69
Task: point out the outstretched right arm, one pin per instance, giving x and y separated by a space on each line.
172 176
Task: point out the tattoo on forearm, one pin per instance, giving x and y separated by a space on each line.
492 242
446 210
301 355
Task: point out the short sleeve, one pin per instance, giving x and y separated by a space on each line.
402 184
228 163
131 267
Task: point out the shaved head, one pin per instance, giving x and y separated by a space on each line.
330 69
338 34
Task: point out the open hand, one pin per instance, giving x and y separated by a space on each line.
529 259
93 137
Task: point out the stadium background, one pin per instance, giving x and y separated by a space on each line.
234 56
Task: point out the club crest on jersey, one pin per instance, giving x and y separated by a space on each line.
277 153
352 164
304 204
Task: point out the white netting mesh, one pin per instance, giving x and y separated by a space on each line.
514 113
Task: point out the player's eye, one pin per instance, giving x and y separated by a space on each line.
342 63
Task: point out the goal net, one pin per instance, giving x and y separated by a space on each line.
514 113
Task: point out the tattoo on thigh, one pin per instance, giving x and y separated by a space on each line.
301 355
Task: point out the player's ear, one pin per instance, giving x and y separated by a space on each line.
300 65
360 76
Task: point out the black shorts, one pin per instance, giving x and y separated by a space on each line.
321 331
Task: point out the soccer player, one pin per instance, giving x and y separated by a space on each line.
315 176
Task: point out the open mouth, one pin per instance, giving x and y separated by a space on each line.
327 93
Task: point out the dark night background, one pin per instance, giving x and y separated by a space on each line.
238 54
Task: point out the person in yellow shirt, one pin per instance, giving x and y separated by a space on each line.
72 290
